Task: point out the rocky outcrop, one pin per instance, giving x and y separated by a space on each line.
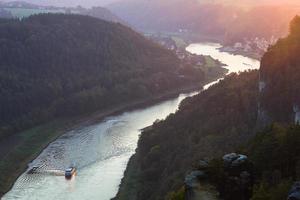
263 118
192 180
261 85
294 193
279 78
238 177
192 183
234 160
197 186
234 182
296 110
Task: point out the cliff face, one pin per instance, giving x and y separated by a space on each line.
279 78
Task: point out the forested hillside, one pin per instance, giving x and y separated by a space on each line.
216 121
274 153
56 65
225 119
98 12
280 73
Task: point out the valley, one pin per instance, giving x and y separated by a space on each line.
101 150
149 100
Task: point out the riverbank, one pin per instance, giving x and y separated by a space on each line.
150 173
29 144
159 167
182 41
250 54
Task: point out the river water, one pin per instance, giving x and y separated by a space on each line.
101 151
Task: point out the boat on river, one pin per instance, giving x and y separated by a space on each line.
70 172
117 141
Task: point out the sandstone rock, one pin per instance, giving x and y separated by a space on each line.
228 158
234 159
294 193
203 165
192 179
240 160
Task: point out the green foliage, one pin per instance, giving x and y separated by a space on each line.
295 26
261 193
26 12
216 171
178 195
277 192
56 65
280 147
224 117
280 69
30 143
179 42
210 62
168 150
275 154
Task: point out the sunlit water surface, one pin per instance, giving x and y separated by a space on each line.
234 63
101 151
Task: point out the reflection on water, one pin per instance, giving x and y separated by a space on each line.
100 152
235 63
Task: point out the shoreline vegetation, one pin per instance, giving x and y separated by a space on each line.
152 174
265 138
133 73
250 54
27 145
182 41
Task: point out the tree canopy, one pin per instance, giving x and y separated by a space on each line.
280 70
57 65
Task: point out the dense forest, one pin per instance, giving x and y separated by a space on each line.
56 65
280 72
98 12
168 149
224 119
275 155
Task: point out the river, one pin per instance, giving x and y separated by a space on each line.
101 151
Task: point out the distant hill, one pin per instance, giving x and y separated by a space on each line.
230 21
98 12
223 119
56 65
18 4
92 3
20 9
68 3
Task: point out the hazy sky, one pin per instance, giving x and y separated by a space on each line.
85 3
89 3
